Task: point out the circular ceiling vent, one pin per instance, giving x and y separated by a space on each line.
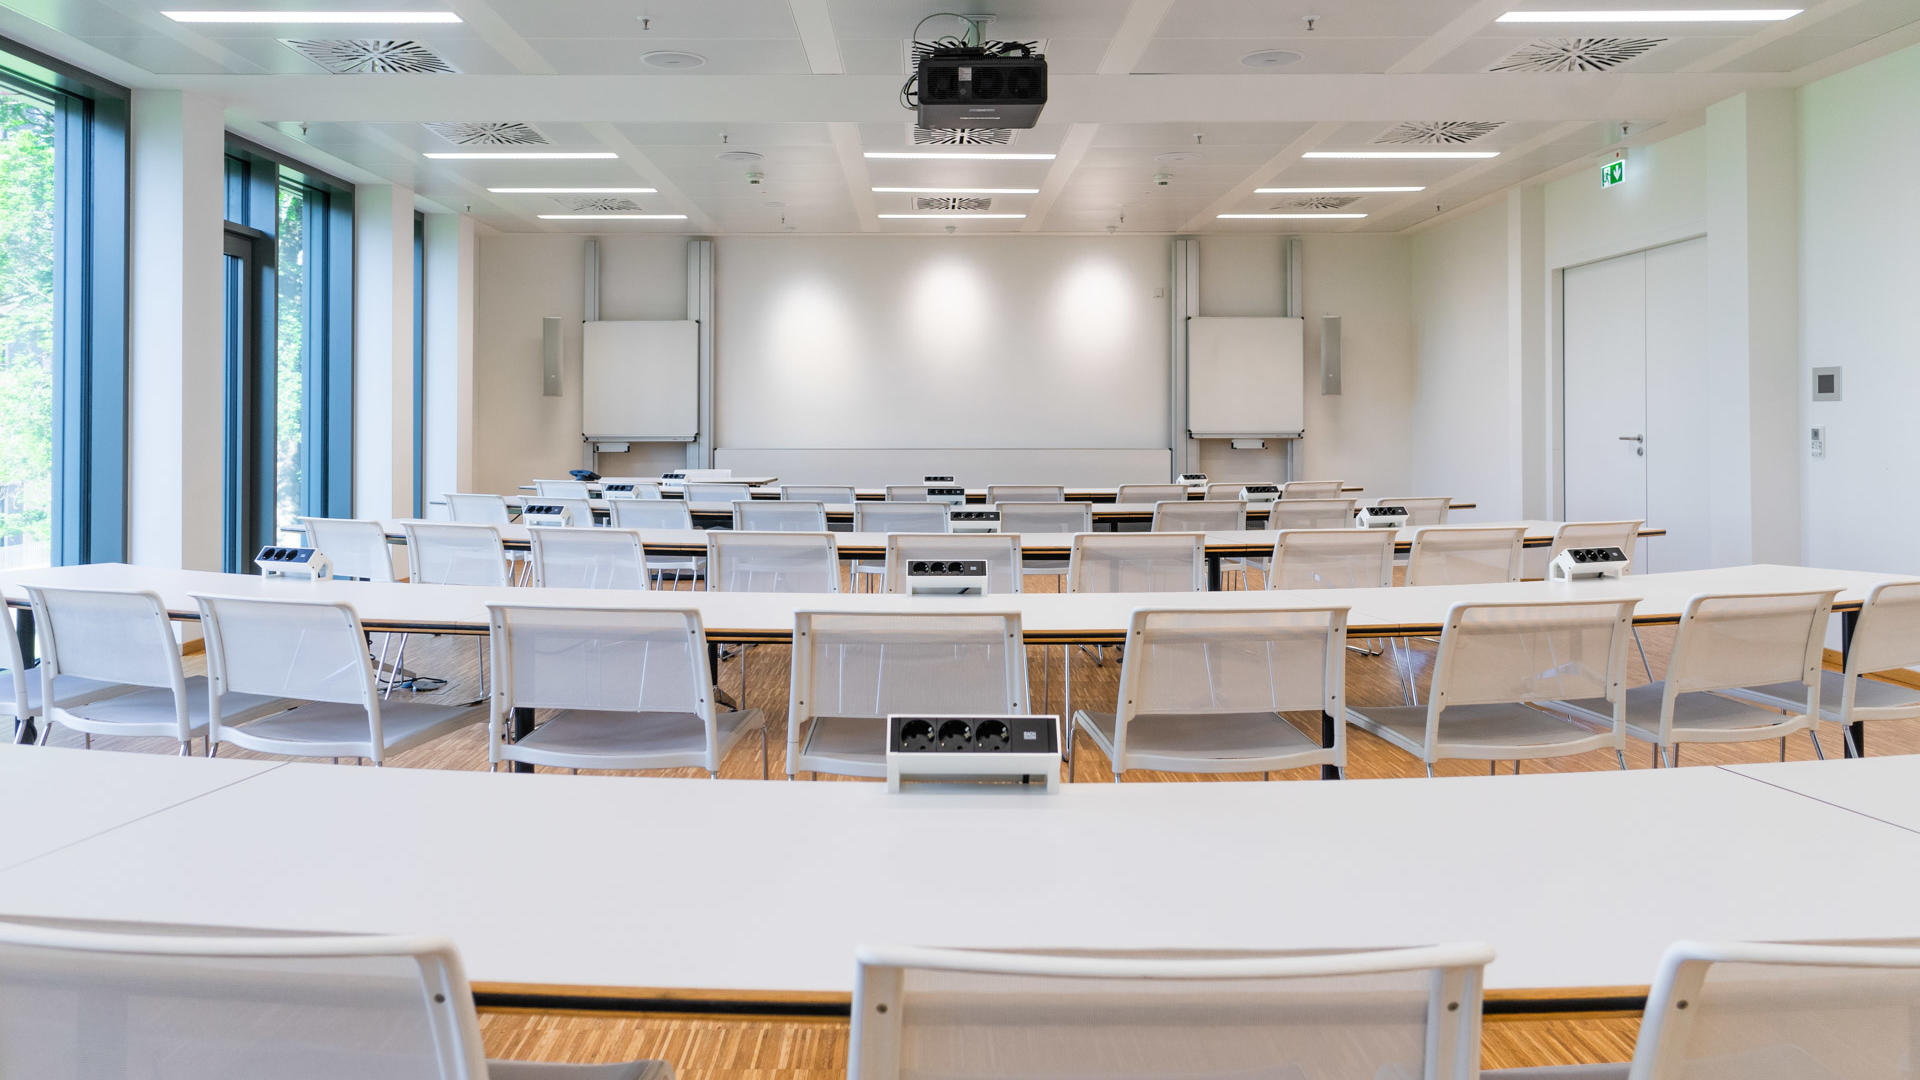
1271 58
737 156
1175 156
672 58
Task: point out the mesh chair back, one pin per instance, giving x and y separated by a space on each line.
83 1005
440 554
717 493
357 549
1310 489
1888 633
906 493
902 516
1311 514
1384 1014
1211 515
1045 517
1421 509
764 516
872 665
1000 551
562 489
14 662
1331 559
1498 653
120 637
1749 640
579 511
1465 555
473 509
1198 662
1149 493
1223 490
588 559
999 493
302 649
831 494
662 514
599 659
1782 1012
772 562
1624 535
1138 562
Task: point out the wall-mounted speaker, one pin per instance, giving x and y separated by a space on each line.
1329 354
550 356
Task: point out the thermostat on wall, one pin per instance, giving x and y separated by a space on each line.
1826 384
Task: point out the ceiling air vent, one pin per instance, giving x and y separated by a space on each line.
1577 54
371 56
1442 132
1318 202
488 133
605 204
961 136
952 202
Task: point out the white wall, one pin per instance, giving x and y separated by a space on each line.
1663 199
382 351
447 436
1860 309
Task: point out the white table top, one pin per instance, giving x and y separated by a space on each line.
1577 880
1045 617
1883 788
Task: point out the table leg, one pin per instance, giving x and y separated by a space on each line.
522 727
1213 573
1848 620
1327 772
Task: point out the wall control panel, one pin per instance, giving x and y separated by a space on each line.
1381 517
306 564
545 514
1016 750
973 521
945 493
1574 564
947 577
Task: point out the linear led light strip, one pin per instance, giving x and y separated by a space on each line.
382 17
522 155
914 155
574 190
1331 190
1430 155
612 217
950 217
957 190
1669 15
1283 217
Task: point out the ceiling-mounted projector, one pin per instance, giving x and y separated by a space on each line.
1000 85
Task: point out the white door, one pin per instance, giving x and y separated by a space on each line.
1635 371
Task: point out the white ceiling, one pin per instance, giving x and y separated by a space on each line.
811 84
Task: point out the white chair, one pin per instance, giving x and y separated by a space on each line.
314 653
1624 535
20 686
1748 1011
1331 559
627 690
830 494
1731 642
1886 637
442 554
1211 515
474 509
1026 493
1001 553
895 515
1465 554
154 1001
1498 664
851 671
1149 493
1421 509
721 494
588 559
670 515
357 548
1045 518
578 512
1203 691
109 665
562 489
1304 513
1224 491
783 516
1379 1014
1311 489
905 493
772 562
1138 562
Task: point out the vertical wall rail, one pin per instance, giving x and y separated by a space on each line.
1183 302
700 310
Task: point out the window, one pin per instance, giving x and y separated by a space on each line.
29 247
290 359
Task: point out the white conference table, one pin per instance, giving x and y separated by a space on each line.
1108 513
613 892
1886 789
765 487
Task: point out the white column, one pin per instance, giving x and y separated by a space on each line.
175 449
382 351
448 442
1753 315
1527 352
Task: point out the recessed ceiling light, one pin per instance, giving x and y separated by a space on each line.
957 190
383 17
1679 15
950 217
736 156
1381 154
672 58
1282 217
1271 58
1174 156
521 155
916 155
1330 190
574 190
612 217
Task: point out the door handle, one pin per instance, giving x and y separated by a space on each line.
1639 444
1633 438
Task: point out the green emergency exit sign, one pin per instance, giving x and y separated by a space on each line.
1612 173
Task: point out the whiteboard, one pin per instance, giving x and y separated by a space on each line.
1246 377
640 380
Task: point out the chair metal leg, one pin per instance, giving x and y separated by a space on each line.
213 748
1492 767
1643 653
1846 736
86 740
1622 755
1429 770
1817 752
763 748
1655 750
1783 748
186 747
1516 766
1673 756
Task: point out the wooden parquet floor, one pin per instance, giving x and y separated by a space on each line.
701 1047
